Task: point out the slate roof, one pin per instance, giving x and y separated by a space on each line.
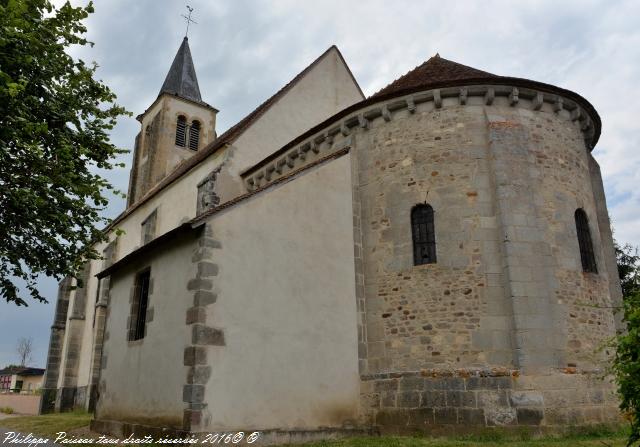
181 79
435 70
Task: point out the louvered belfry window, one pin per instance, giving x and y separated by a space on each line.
194 135
181 131
584 241
423 232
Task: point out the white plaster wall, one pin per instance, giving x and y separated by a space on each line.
144 378
325 90
176 204
286 303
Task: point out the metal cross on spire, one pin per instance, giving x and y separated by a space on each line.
188 19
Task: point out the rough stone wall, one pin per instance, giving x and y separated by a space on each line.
430 315
456 402
54 357
505 328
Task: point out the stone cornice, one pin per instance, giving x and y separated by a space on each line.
335 133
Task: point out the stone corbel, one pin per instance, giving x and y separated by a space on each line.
513 97
280 164
291 157
411 105
576 114
268 171
363 122
314 147
489 96
344 129
328 137
558 105
463 96
386 114
437 99
538 100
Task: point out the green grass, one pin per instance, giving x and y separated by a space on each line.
600 436
48 424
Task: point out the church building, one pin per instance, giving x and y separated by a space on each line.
434 258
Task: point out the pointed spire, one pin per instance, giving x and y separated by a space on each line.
181 79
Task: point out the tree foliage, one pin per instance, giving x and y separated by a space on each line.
54 124
626 364
628 261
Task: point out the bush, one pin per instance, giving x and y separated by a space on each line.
6 410
626 365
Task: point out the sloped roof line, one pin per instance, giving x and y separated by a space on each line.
181 79
228 137
435 69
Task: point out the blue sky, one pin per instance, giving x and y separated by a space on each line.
244 51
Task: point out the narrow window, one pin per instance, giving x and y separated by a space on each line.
139 306
584 241
423 232
181 131
194 135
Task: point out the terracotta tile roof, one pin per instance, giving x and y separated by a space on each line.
226 138
435 70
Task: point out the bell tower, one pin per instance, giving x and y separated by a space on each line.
174 128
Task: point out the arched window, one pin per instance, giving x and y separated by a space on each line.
181 131
584 241
424 235
194 135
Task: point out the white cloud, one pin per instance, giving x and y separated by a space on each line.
246 50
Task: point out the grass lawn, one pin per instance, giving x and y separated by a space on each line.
399 441
48 425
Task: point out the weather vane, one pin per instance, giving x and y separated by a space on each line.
188 19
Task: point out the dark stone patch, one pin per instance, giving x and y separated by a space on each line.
204 298
195 355
196 315
421 417
446 415
193 393
206 335
206 269
471 416
398 418
199 284
198 375
191 418
386 385
411 384
433 399
409 399
529 416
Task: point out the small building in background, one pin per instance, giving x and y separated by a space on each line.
21 379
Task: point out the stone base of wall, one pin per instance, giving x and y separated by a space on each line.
48 401
267 437
465 401
67 399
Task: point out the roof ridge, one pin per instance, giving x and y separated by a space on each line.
227 137
434 69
